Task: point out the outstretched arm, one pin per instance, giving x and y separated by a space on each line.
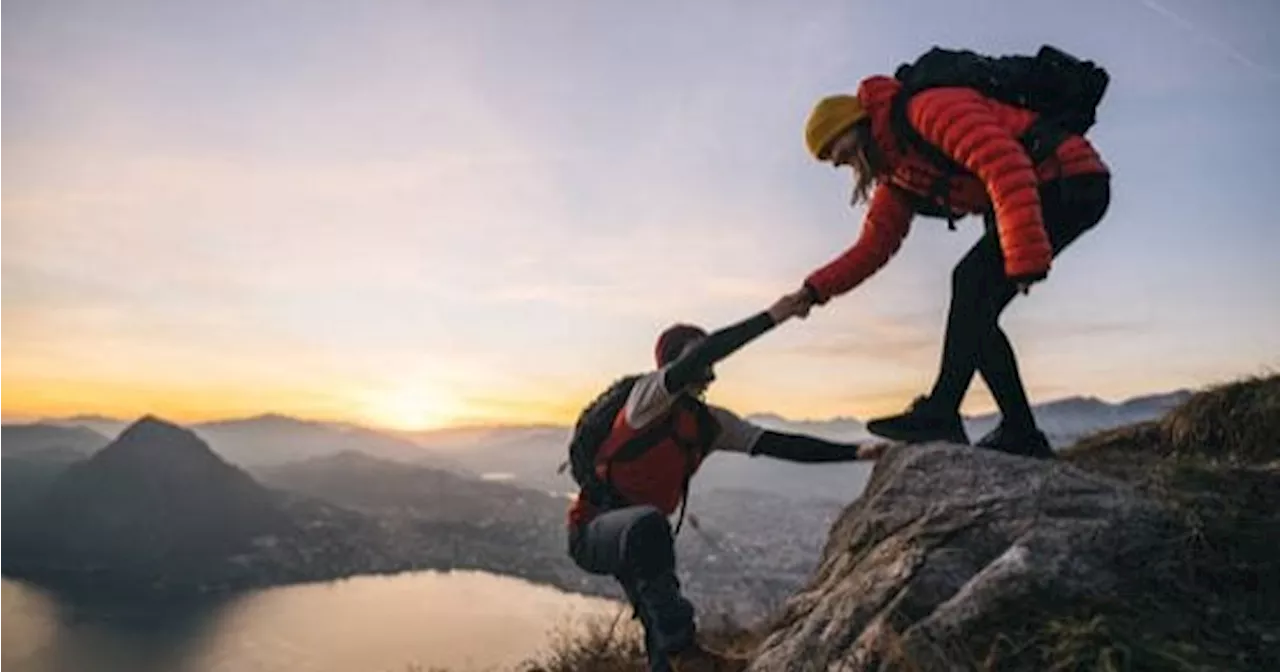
724 342
887 222
739 436
718 345
801 448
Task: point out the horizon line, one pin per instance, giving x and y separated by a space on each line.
463 427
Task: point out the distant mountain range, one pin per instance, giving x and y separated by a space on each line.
248 442
51 441
157 513
529 455
162 509
1065 421
35 455
278 439
1068 420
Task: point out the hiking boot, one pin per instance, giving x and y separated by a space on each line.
1025 441
922 423
697 659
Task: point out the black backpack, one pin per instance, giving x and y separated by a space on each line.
593 427
1063 89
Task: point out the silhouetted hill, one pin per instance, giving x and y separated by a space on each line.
157 514
156 494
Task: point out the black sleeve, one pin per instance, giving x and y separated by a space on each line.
800 448
713 348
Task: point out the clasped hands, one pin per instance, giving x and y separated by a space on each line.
794 304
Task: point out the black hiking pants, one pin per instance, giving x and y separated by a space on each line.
635 545
980 291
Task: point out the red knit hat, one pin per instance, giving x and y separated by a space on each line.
673 341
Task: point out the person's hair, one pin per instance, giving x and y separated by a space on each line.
673 340
866 161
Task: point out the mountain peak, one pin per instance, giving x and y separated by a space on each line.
157 492
150 420
151 429
152 443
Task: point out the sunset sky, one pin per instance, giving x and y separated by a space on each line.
416 214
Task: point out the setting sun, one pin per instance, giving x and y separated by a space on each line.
410 407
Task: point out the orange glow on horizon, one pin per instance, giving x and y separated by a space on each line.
405 408
402 408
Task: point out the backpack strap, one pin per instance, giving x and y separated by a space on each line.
655 433
938 200
631 449
684 503
909 138
638 445
708 428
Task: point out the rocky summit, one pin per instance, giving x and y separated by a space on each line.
948 543
1150 547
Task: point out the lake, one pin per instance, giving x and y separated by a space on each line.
412 621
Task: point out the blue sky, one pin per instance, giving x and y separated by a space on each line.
424 213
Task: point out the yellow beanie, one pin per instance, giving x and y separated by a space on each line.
832 116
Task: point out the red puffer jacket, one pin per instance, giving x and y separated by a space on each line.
979 134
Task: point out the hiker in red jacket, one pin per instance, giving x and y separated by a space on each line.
634 452
972 161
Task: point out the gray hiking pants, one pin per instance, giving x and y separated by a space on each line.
635 546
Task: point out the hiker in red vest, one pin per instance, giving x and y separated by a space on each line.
1037 186
633 452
